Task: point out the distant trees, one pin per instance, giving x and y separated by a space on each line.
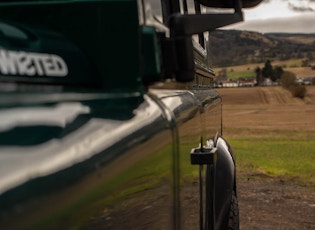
305 63
310 56
223 73
277 73
259 78
269 72
288 79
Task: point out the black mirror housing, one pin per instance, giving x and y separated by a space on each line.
229 3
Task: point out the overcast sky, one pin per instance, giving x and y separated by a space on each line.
293 16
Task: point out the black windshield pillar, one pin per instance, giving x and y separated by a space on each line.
169 7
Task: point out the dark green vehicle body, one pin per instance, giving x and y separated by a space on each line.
101 106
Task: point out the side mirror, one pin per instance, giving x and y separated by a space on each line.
229 3
183 26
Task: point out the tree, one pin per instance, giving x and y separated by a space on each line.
288 79
267 70
259 78
277 73
305 63
223 72
310 56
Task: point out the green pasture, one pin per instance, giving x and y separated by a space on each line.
289 63
232 74
288 157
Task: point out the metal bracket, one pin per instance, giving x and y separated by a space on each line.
203 156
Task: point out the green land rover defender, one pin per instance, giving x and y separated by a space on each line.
108 116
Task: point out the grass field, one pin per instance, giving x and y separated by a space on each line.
271 132
280 156
248 70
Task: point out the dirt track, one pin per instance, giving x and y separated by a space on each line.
270 202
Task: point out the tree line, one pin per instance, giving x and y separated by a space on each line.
276 74
268 71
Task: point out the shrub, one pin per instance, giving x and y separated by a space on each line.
288 82
298 91
287 79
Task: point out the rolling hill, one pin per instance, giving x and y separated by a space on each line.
234 47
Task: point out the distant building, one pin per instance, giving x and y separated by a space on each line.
247 83
267 82
305 80
225 82
230 84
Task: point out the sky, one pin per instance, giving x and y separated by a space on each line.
287 16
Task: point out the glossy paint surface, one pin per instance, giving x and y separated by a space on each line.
98 40
97 160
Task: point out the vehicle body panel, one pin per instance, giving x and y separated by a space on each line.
107 145
93 37
101 105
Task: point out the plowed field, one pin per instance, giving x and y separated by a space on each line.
267 108
265 201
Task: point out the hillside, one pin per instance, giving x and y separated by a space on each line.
233 47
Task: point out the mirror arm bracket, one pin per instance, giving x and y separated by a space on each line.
190 24
183 26
186 25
